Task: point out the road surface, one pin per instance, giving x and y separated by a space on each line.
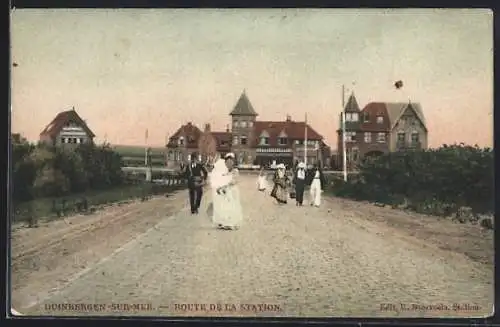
345 258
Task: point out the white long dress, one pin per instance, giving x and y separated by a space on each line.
261 183
227 211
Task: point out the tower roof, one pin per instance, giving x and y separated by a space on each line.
352 104
243 107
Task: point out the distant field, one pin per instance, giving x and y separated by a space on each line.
134 155
137 151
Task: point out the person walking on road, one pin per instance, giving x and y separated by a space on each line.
227 210
316 181
261 180
280 180
300 183
196 176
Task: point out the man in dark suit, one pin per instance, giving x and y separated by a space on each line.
196 176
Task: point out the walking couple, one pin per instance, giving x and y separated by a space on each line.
313 177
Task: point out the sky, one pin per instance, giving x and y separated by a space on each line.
128 70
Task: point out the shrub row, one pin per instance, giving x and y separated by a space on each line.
44 171
437 181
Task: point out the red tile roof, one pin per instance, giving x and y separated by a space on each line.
294 131
191 135
374 109
61 120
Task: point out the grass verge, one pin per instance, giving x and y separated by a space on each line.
52 208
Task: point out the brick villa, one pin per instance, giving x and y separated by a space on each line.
253 141
381 127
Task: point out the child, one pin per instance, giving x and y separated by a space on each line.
261 181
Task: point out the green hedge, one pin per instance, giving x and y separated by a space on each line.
438 181
45 171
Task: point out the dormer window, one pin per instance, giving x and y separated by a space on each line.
380 119
366 117
264 138
283 138
181 140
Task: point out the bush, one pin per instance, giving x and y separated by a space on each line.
431 181
44 171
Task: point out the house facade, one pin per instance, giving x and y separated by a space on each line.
381 127
252 141
67 129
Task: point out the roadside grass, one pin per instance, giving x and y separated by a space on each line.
85 203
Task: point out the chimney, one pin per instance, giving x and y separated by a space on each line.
207 127
227 128
189 123
288 118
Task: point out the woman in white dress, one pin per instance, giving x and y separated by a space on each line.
227 211
261 181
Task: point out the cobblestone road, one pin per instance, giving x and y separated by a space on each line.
302 261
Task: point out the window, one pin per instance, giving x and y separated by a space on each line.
380 119
415 138
170 155
264 140
283 141
401 137
235 140
235 123
368 137
350 136
243 140
351 117
250 123
243 124
366 117
381 137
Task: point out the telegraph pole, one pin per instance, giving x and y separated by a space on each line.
344 150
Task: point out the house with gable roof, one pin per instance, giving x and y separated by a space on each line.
67 129
381 127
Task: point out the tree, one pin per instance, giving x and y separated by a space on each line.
207 146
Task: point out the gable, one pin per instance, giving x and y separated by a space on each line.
283 134
264 134
62 120
409 110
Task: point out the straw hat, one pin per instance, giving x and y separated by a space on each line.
229 155
301 165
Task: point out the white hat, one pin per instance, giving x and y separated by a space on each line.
281 166
301 165
229 155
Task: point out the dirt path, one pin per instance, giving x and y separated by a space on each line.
46 258
342 259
